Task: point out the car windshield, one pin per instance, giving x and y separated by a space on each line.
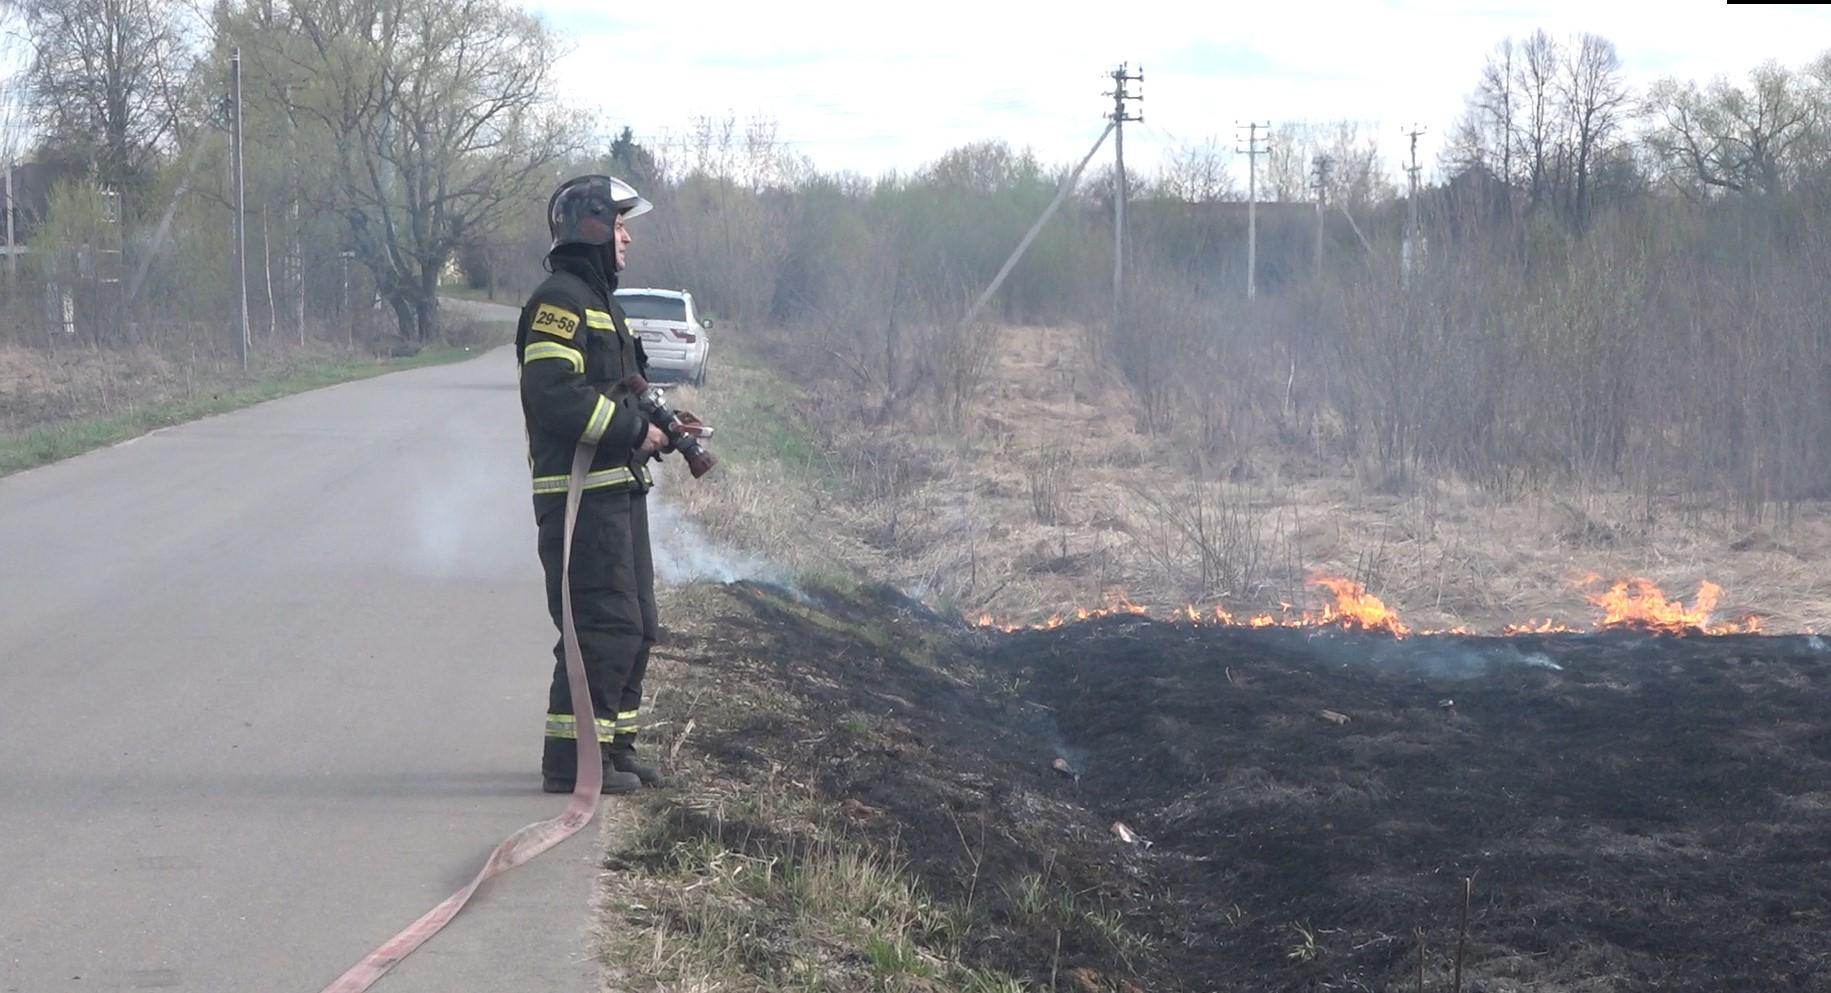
647 307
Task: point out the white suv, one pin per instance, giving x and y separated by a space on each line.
673 334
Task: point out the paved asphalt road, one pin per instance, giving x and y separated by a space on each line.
271 686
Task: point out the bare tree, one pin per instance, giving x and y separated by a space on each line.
1287 164
1727 137
106 80
1536 137
1358 178
1485 134
1593 99
731 242
1542 118
15 109
1196 172
436 114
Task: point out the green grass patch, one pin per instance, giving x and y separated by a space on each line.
760 414
40 446
804 912
891 957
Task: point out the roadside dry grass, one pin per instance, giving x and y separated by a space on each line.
1056 500
775 494
858 807
704 900
773 869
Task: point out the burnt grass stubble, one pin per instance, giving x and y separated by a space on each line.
1636 812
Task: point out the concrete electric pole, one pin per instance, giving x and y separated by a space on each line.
1121 77
1414 243
12 246
241 240
1320 183
1252 151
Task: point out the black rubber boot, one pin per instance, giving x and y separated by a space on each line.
614 783
559 762
624 761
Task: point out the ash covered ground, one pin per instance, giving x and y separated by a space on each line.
1636 812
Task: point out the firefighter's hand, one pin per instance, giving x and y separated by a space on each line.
655 441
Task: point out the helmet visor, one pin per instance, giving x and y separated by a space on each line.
584 209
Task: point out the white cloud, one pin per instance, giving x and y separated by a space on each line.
869 90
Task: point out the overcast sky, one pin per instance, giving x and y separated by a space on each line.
868 88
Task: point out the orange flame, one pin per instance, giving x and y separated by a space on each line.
1632 604
1356 609
1546 626
1117 605
1639 604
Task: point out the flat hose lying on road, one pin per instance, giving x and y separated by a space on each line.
535 838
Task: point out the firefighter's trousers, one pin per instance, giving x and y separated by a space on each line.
613 609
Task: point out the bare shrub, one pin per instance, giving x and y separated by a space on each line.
1044 473
1210 537
953 358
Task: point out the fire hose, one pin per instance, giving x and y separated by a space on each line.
529 841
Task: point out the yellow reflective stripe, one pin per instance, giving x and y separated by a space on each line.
619 476
538 350
565 726
600 420
609 477
623 715
599 319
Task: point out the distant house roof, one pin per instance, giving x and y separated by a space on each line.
32 182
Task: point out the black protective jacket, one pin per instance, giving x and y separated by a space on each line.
574 348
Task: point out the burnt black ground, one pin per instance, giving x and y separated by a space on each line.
1637 813
1652 814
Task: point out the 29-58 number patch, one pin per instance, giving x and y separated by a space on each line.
556 321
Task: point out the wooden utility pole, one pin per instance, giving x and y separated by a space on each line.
1252 151
241 239
1119 116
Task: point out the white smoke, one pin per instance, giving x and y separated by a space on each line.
465 513
683 554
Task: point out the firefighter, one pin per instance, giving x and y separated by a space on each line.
574 348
